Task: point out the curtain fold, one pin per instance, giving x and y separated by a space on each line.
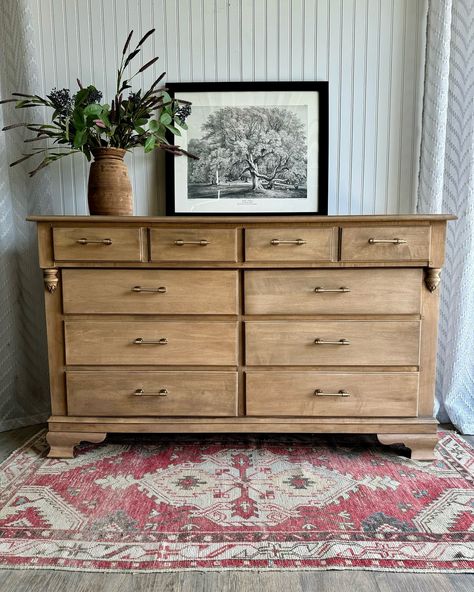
24 388
446 184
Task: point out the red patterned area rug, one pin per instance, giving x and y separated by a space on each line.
165 503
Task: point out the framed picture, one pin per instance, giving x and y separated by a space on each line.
262 148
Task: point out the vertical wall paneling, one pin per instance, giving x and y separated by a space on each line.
384 107
359 94
370 108
371 51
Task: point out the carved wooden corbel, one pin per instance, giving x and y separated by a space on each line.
51 280
432 278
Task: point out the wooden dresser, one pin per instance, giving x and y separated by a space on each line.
242 324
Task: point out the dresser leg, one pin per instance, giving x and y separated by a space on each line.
422 445
62 443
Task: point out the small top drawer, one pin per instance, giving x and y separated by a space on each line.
97 244
291 244
385 243
193 244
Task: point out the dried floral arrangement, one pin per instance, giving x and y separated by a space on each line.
81 123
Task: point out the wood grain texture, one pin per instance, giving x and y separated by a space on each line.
369 394
355 244
185 292
222 244
277 315
422 445
177 221
374 291
111 342
370 343
62 443
319 244
186 393
125 244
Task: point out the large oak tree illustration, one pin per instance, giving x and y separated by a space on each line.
260 145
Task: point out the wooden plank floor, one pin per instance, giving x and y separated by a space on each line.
232 581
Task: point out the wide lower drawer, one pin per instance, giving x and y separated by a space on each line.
193 244
385 243
123 394
291 244
94 243
212 343
333 291
391 394
149 291
330 343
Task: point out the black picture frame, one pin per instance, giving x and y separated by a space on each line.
319 87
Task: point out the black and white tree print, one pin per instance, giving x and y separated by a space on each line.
250 152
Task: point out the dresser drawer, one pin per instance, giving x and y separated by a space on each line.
97 244
126 394
149 291
331 343
212 343
333 291
386 243
291 244
193 244
391 394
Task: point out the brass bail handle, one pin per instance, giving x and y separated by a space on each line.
319 341
87 241
341 393
161 393
200 243
141 341
276 241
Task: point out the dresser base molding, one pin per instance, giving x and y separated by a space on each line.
419 434
62 443
421 445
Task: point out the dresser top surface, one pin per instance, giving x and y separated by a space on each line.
413 218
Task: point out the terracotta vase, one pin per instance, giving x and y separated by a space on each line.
109 190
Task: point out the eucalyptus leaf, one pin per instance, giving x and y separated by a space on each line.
150 143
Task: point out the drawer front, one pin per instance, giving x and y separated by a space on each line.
365 343
386 243
325 394
149 291
212 343
188 244
333 291
291 244
97 244
144 394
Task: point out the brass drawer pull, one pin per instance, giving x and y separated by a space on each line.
141 341
319 341
318 290
160 290
161 393
277 241
341 393
86 241
387 241
200 243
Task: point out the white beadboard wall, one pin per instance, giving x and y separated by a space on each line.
371 51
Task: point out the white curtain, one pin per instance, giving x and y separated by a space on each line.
447 185
23 353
